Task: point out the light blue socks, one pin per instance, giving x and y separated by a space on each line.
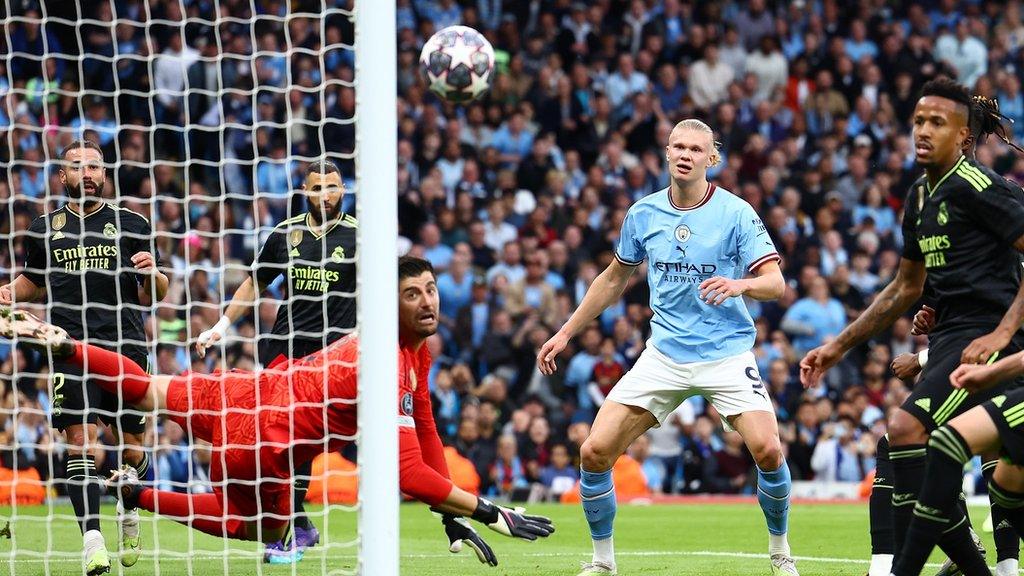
773 496
773 490
598 495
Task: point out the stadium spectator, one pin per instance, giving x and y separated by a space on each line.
624 82
963 52
653 470
768 67
814 318
559 476
507 474
840 455
173 464
709 79
727 471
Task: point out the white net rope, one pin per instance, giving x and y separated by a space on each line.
208 114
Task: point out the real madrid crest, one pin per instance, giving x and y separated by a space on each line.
59 221
295 237
943 216
682 233
110 231
338 255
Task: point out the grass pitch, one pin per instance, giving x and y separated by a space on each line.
686 539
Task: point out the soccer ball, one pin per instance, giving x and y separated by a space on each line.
457 62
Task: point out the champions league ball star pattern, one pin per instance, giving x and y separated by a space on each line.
457 62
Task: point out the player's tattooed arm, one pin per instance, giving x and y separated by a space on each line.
890 304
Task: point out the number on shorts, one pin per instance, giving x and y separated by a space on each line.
58 398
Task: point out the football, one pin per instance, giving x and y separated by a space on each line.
457 62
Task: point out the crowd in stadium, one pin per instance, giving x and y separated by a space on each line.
517 199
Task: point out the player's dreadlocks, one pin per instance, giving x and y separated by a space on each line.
986 119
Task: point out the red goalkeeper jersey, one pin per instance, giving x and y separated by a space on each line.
311 402
304 407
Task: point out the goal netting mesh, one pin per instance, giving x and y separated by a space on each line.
208 113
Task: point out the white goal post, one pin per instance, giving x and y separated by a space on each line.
377 208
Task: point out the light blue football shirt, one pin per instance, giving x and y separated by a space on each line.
719 236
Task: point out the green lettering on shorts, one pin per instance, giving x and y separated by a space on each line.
58 398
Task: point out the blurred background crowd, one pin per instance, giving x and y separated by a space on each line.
516 199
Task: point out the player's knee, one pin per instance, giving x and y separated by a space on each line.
131 456
596 456
78 439
768 454
904 429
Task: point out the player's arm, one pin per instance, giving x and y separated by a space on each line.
268 266
21 290
606 289
999 209
981 349
975 377
766 284
423 483
153 279
426 429
890 304
241 302
906 366
146 260
30 285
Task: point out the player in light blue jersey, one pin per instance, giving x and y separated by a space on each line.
704 247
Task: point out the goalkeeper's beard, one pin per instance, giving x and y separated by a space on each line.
84 197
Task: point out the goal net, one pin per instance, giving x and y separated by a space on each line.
208 114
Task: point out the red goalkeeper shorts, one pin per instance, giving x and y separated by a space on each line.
221 409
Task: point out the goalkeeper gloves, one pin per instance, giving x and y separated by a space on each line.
459 531
513 523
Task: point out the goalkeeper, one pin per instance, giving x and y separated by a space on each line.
253 421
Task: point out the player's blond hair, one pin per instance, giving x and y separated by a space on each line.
699 126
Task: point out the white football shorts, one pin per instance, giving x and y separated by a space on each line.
658 385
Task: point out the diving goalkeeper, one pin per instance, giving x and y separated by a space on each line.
253 421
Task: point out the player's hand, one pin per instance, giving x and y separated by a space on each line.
210 337
924 321
981 349
906 366
973 377
206 340
513 523
6 296
717 290
144 262
817 362
549 351
459 531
